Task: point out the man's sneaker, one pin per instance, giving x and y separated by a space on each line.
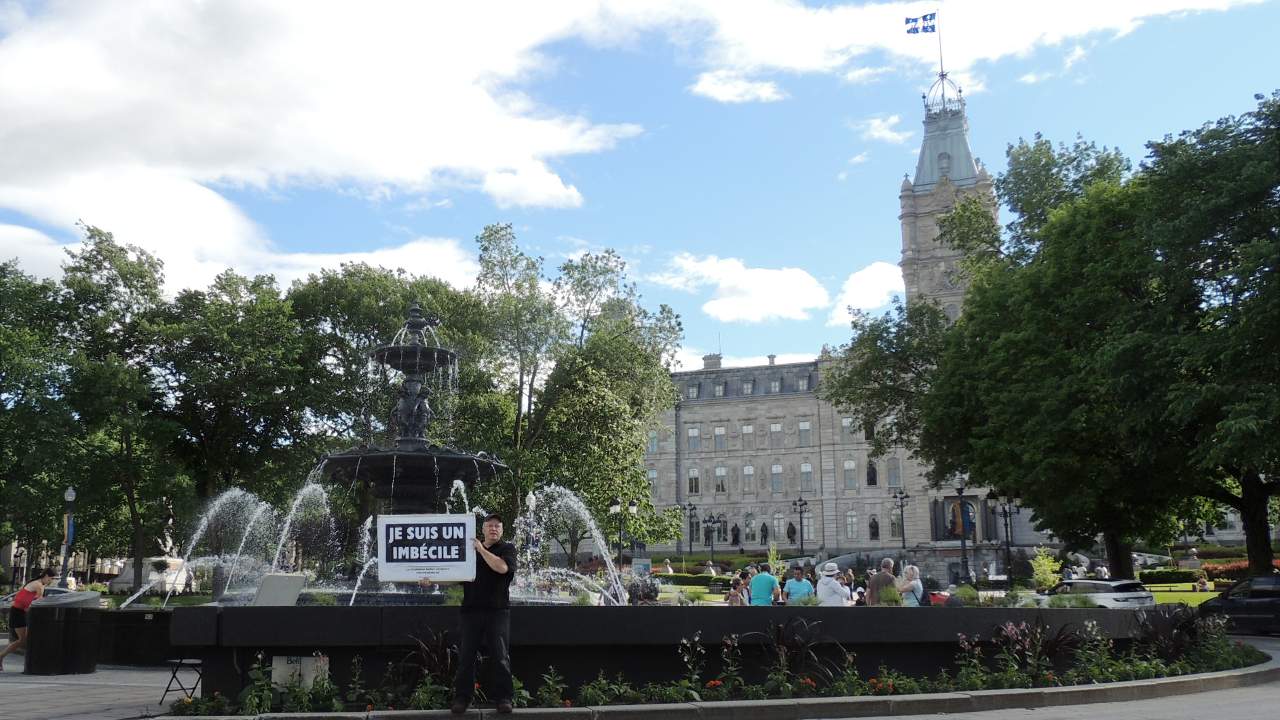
504 707
459 706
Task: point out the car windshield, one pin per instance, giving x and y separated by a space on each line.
1129 587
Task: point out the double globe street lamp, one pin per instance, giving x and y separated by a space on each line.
616 508
1006 508
900 500
800 506
69 535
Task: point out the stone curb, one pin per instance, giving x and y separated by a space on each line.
847 707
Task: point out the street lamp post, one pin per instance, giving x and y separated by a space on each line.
1006 507
900 499
691 511
616 508
713 521
19 568
964 531
70 497
801 506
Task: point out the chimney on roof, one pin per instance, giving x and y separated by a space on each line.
772 359
711 362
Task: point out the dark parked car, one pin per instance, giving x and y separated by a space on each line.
1252 606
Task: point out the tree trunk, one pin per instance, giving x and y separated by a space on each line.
1119 556
1254 519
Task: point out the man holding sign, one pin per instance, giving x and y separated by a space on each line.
486 618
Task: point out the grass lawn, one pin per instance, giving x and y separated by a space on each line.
667 593
1190 598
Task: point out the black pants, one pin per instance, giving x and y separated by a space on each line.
492 629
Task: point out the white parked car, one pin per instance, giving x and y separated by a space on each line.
1103 593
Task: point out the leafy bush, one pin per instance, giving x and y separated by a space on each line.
967 595
691 596
1232 570
551 692
890 596
1044 569
1168 575
603 691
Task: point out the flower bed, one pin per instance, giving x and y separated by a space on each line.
1238 570
1171 640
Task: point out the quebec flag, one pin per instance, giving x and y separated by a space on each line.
925 23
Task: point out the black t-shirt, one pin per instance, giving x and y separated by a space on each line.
489 591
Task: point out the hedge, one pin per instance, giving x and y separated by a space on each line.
1233 570
684 579
1168 575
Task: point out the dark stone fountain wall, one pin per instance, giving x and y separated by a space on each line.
639 642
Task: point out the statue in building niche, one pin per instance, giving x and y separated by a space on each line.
791 532
734 534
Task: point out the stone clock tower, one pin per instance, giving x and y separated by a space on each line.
945 173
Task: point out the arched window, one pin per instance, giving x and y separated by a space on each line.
778 526
894 466
895 523
851 525
722 530
873 528
749 522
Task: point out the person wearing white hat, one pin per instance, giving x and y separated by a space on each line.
830 592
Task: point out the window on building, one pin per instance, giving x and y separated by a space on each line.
750 522
692 392
846 426
778 527
722 479
775 435
802 384
806 526
895 523
775 478
719 436
873 528
748 437
871 474
695 439
804 433
718 390
695 487
653 479
869 431
850 475
806 476
895 472
775 386
748 479
748 387
653 441
722 530
851 525
695 528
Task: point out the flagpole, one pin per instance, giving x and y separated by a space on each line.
942 73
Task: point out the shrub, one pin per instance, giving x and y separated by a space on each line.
684 579
890 596
1166 575
691 596
1044 569
1232 570
967 594
551 692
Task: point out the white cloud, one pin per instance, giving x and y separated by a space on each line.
401 100
41 255
842 176
689 358
1076 55
865 75
860 158
867 289
729 87
1033 78
882 129
745 294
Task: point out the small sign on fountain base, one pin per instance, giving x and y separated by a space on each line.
434 547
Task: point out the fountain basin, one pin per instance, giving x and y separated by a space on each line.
414 359
640 642
420 478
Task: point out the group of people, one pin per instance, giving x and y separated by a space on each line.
757 585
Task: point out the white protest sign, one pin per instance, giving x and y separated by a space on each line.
438 547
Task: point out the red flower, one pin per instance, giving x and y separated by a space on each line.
714 683
568 703
808 681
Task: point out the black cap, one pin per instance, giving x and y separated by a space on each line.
491 516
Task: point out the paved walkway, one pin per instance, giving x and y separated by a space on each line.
114 692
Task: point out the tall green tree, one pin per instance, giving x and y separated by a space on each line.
111 298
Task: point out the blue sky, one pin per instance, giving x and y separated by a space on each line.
744 157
